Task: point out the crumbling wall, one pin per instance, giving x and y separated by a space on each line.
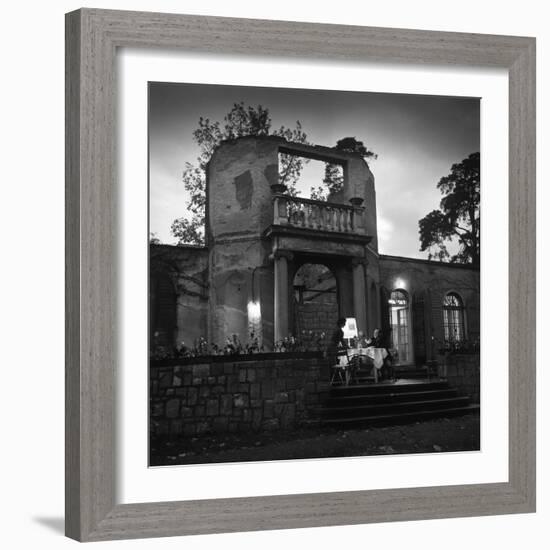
178 288
239 209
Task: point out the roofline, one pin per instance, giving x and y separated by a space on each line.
180 246
429 262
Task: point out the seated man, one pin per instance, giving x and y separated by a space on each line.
376 340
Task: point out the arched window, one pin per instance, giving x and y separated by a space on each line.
453 318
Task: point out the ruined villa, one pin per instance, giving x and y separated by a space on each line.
277 265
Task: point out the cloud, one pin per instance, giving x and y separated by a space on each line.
385 232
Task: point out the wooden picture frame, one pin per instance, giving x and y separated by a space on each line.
92 38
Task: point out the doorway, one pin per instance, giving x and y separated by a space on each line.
315 300
400 325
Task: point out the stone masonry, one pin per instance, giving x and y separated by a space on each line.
462 373
225 395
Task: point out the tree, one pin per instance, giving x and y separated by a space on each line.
240 121
153 238
353 145
458 216
333 181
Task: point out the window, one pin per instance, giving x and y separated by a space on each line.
453 318
399 325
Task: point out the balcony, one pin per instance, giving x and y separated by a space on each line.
307 214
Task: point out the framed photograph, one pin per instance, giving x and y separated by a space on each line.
300 282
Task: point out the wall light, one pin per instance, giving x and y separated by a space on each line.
400 283
254 312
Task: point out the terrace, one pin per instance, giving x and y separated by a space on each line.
318 215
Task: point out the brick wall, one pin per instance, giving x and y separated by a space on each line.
235 395
462 373
317 317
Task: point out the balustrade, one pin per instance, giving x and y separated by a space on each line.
319 215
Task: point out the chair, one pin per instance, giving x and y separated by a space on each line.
364 366
339 370
338 375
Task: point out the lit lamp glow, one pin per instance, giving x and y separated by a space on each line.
350 328
400 283
254 313
254 320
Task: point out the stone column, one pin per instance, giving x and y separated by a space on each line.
280 312
359 293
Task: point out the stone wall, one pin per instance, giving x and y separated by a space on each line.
224 395
178 295
462 373
316 316
238 209
426 283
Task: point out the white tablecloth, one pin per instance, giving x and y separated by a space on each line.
376 354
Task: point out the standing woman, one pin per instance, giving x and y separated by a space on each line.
337 340
337 343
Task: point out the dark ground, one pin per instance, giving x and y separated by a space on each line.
441 435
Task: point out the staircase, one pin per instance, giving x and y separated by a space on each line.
407 400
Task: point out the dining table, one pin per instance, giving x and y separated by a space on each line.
378 355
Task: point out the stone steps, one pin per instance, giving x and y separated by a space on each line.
385 388
383 408
391 403
400 418
393 397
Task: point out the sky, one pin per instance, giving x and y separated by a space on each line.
417 139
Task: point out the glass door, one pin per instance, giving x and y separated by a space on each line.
399 324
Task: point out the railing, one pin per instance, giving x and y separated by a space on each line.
319 215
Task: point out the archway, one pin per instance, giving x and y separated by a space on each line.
315 300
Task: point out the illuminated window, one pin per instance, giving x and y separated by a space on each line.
453 318
399 325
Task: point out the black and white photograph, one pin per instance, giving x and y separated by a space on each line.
314 274
270 275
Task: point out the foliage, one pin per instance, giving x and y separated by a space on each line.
459 347
318 193
353 145
189 231
334 178
458 216
333 181
153 238
308 341
240 121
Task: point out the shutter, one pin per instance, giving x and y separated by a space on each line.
385 316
